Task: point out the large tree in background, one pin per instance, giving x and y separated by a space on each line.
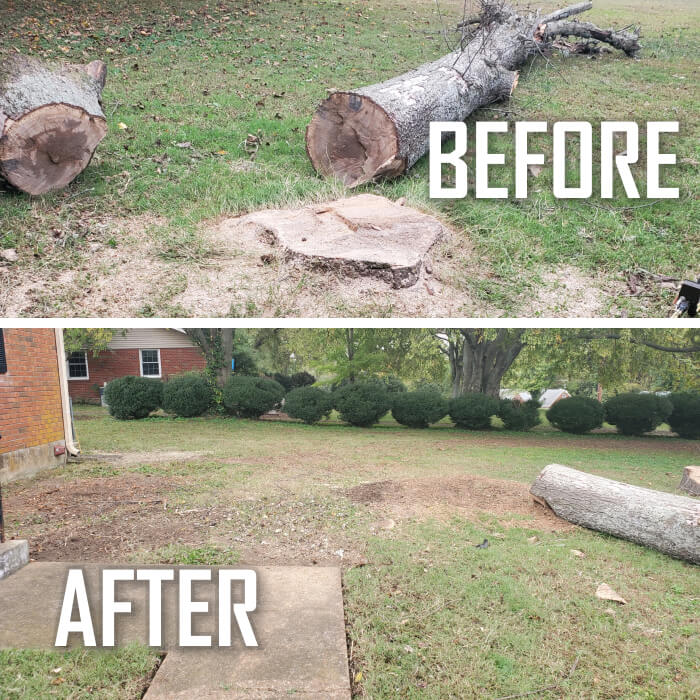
217 346
480 357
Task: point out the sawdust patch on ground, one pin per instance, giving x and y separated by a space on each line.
213 273
467 496
568 291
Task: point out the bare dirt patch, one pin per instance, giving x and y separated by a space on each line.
567 291
155 271
132 458
462 495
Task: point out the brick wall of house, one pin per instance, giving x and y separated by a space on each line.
111 364
30 394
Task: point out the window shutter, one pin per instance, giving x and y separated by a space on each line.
3 358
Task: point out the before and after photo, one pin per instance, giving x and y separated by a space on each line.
349 349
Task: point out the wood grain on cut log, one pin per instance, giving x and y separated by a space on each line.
51 121
659 520
383 129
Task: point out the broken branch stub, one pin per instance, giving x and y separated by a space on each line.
382 130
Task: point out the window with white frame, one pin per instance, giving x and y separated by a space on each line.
150 363
77 365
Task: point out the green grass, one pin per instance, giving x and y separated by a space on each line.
428 615
79 673
207 74
434 617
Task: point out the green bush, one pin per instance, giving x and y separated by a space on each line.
362 403
577 414
308 403
636 414
393 385
251 397
133 397
418 409
187 395
519 416
294 381
684 418
473 411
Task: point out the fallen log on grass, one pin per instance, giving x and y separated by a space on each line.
51 121
383 129
659 520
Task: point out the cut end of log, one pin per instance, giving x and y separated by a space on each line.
49 147
352 138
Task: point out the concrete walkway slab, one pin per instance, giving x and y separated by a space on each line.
299 625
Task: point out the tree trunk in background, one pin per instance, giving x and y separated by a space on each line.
51 121
477 364
655 519
217 346
383 129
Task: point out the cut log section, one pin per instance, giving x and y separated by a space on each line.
51 121
383 129
690 482
660 520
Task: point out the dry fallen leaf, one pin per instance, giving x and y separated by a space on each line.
358 676
604 592
122 126
578 553
9 254
533 539
535 170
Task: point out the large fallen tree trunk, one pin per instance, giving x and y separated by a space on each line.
660 520
383 129
51 121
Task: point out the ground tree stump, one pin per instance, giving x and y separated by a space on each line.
51 121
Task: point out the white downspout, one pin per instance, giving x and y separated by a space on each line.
72 448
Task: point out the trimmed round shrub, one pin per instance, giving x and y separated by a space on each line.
636 414
294 381
519 416
418 409
684 418
187 395
473 411
394 385
133 397
362 403
308 403
251 397
577 414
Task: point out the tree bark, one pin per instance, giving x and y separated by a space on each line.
383 129
477 364
655 519
217 346
51 121
691 481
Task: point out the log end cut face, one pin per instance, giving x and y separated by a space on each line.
352 138
49 147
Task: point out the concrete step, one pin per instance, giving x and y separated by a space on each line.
299 625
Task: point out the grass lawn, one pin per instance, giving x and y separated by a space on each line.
135 234
428 614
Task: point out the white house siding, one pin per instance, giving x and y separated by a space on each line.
147 338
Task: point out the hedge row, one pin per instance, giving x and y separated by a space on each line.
365 403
